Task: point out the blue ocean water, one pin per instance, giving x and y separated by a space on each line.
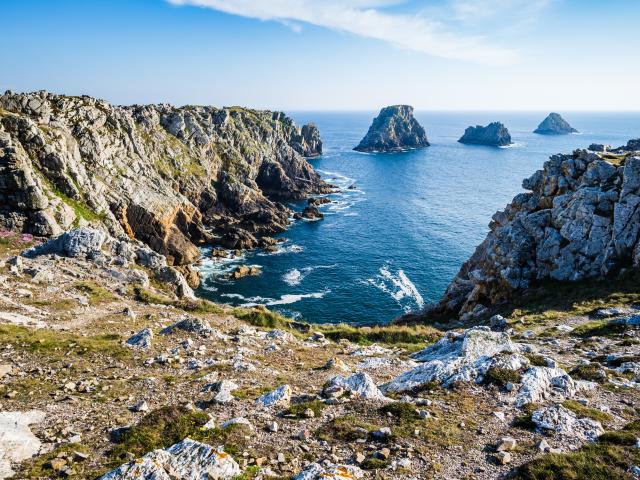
394 242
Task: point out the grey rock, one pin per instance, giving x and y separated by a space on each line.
394 129
495 134
142 339
554 124
565 423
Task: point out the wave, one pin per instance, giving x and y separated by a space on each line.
295 277
398 286
293 248
286 299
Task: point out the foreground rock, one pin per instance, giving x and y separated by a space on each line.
315 471
579 220
554 124
187 460
564 422
394 130
17 443
459 357
495 135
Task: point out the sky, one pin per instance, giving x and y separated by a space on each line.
561 55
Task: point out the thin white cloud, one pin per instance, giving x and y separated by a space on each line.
368 18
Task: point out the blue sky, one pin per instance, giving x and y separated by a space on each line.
329 54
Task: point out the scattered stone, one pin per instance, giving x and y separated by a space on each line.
223 391
503 458
278 397
141 406
506 444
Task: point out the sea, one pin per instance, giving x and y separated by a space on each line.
403 223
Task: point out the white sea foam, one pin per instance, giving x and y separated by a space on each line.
286 299
293 248
295 277
398 286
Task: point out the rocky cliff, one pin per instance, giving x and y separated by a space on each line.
579 219
394 129
495 135
554 124
170 177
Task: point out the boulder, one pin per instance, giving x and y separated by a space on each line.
189 324
495 134
540 383
17 442
359 385
80 242
563 422
281 396
142 339
187 460
394 129
316 471
223 391
554 124
310 212
459 357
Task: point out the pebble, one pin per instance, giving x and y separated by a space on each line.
503 458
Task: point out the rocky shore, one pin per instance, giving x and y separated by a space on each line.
578 220
172 178
395 129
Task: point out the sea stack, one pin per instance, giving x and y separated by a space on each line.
554 124
495 134
394 130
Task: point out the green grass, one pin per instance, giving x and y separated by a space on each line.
583 411
13 244
345 428
58 344
536 359
261 317
95 293
373 463
524 421
410 338
40 467
610 457
298 409
501 376
601 328
591 372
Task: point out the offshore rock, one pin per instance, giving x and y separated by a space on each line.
554 124
173 178
393 130
495 134
579 220
187 460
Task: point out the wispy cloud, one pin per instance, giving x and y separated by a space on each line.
372 19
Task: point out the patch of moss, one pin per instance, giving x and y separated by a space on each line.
261 317
601 328
373 463
347 428
145 295
583 411
610 457
95 293
524 421
536 359
298 409
40 467
501 376
409 336
592 372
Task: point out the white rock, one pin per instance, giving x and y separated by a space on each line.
459 357
538 383
224 389
237 421
187 460
565 423
17 443
142 339
315 471
358 384
278 397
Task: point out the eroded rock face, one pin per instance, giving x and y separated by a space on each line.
579 220
157 173
554 124
187 460
394 129
495 134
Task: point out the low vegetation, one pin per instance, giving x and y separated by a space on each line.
584 411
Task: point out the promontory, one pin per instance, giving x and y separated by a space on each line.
394 130
554 124
495 134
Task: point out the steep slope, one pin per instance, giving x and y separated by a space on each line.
170 177
580 219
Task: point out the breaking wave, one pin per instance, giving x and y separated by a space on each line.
398 286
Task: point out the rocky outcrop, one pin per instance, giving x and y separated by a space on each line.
170 177
394 130
554 124
579 219
185 460
17 442
495 135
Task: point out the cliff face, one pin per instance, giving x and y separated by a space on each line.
170 177
554 124
495 135
580 219
393 130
